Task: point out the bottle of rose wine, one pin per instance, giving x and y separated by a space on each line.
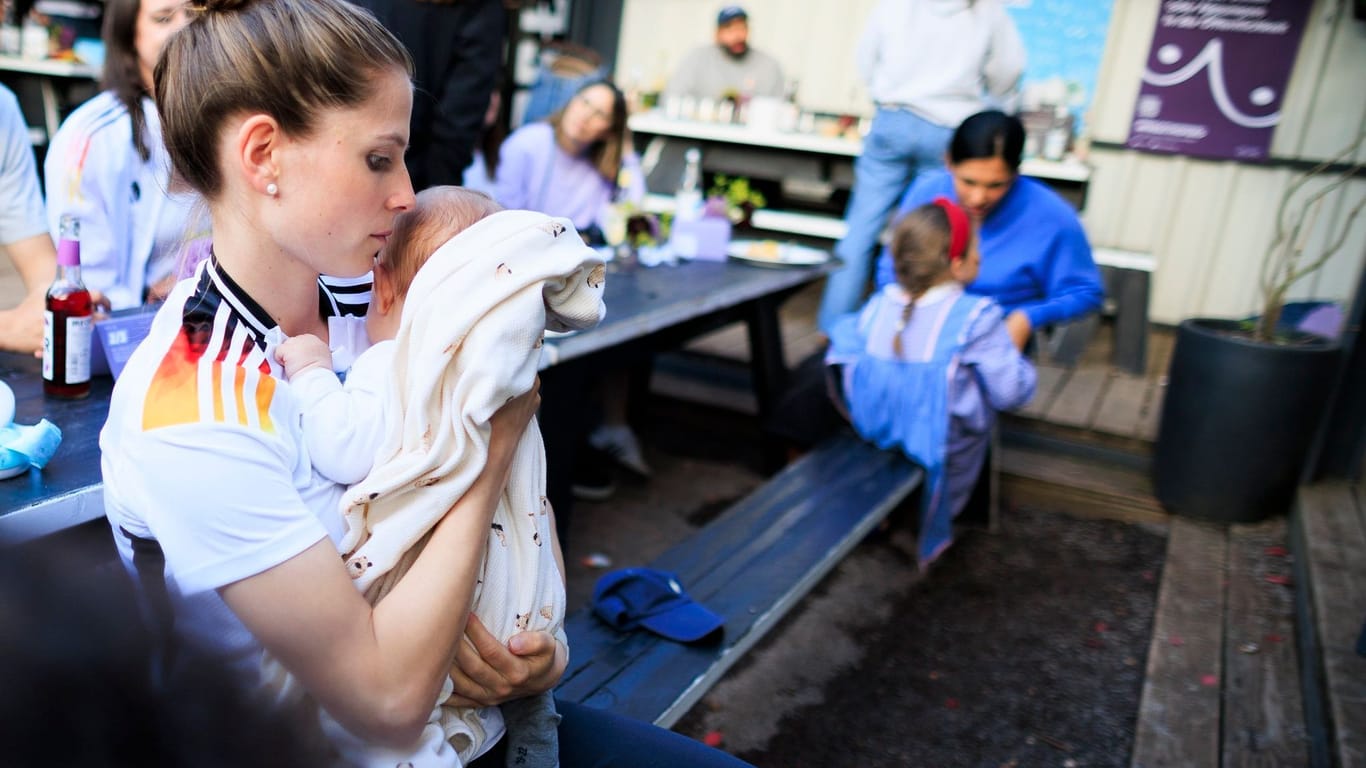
68 322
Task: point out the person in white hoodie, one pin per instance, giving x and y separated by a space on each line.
108 167
928 65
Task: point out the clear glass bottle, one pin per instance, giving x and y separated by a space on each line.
688 198
68 322
687 206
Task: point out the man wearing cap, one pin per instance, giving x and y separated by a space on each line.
928 64
730 67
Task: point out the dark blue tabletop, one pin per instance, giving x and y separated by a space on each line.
67 491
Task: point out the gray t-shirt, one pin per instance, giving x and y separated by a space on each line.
709 71
21 200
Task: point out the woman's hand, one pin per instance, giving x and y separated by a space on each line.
508 425
486 673
513 418
157 292
21 328
1019 328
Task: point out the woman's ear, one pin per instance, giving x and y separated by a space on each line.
258 143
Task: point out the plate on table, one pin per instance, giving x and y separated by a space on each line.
774 253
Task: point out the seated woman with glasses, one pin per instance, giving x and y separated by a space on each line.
575 164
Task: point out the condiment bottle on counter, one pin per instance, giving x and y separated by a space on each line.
68 322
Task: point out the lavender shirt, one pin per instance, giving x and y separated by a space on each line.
573 188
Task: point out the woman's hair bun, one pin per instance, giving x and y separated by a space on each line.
212 6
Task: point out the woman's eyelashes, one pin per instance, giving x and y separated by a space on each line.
379 163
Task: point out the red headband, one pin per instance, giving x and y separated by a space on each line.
959 229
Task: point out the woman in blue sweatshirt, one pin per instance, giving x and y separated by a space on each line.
1036 261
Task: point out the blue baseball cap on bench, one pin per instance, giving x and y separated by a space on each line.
644 597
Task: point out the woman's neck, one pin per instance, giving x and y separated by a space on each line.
567 144
284 287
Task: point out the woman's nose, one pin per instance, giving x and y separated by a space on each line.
403 198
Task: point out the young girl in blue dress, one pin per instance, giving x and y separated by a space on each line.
925 365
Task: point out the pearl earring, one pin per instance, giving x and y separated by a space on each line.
272 189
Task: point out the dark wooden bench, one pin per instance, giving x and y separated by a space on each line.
750 565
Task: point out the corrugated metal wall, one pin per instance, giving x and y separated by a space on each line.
1209 223
1206 223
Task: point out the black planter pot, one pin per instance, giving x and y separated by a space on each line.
1238 420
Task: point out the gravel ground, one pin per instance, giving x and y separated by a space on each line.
1021 648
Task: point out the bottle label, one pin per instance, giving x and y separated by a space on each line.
78 332
48 366
78 335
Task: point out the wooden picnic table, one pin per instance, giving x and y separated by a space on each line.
652 307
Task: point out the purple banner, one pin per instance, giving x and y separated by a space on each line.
1216 76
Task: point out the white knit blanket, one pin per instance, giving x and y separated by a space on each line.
469 340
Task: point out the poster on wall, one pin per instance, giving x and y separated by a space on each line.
1216 76
1064 41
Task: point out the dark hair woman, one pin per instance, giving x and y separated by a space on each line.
1036 260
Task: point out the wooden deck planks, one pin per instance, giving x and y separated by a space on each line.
1152 413
1078 398
1079 487
1263 722
1178 721
1160 343
1335 535
1121 410
1051 380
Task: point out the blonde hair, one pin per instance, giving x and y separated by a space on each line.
920 256
439 214
289 59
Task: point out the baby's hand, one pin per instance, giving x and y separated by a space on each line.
299 353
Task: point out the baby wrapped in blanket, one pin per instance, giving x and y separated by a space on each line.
452 339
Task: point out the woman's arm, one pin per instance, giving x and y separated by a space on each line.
1071 280
378 670
487 673
1004 67
21 328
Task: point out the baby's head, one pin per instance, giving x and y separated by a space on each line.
933 244
439 214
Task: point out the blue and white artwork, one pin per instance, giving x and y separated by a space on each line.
1064 41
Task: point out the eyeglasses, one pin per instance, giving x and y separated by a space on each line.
593 110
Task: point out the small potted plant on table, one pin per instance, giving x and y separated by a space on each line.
737 197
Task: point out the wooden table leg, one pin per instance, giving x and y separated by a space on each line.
768 369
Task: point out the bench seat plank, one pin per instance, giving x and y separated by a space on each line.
749 566
1333 521
1178 718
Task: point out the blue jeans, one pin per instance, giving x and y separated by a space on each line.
594 737
897 146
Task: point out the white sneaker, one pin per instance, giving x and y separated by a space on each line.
618 441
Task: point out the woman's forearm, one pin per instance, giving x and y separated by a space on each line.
423 618
378 669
